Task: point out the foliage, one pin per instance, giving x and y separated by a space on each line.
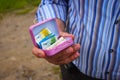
11 5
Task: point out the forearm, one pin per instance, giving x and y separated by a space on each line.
52 9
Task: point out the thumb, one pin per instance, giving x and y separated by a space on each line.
38 52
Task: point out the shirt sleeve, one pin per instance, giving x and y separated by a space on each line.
52 9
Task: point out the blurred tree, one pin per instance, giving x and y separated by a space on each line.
10 5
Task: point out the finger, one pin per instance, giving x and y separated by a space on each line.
76 47
65 61
69 59
38 52
70 51
66 52
64 34
60 58
63 53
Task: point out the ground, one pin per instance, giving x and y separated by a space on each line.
16 59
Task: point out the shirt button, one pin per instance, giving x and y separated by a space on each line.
107 72
117 21
111 50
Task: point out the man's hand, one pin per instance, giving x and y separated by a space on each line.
65 56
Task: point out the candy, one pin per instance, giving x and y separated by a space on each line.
47 41
44 32
38 38
58 42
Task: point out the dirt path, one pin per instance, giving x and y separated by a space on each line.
16 60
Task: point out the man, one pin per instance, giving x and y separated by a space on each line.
95 25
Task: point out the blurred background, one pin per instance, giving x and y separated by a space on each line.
16 59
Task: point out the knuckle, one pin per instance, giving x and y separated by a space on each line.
66 61
69 50
74 57
76 47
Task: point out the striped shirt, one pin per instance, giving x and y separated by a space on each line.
96 26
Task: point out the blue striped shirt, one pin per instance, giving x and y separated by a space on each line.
96 26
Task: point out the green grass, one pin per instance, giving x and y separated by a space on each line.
11 5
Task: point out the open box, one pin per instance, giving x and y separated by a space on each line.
52 26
